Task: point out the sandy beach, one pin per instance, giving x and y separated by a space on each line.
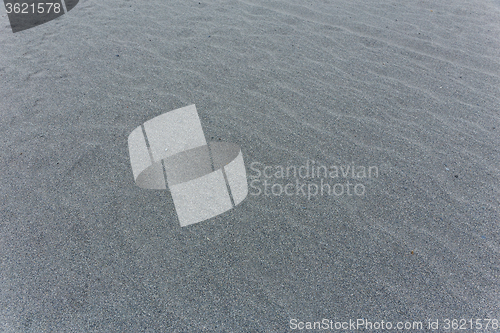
408 88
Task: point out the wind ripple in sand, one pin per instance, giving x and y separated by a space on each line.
409 86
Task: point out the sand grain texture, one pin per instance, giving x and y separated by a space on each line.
412 87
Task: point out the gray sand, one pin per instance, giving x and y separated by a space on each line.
412 87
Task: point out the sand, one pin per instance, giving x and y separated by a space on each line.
411 87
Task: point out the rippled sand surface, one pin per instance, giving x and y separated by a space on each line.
411 87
